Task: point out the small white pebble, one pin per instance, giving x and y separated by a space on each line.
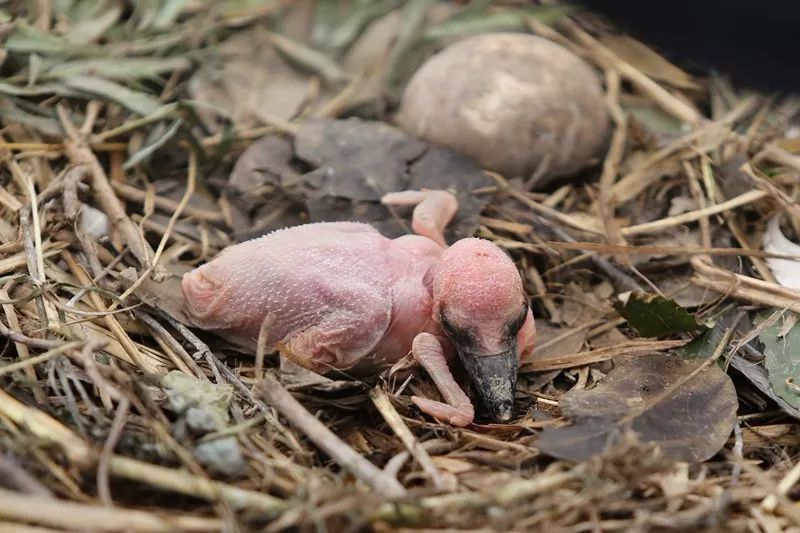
95 222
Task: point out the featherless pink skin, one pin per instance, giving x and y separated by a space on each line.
340 296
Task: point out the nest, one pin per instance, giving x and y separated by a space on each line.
114 415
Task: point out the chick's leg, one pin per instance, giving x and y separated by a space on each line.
458 410
433 211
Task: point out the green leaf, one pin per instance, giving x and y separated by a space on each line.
169 12
326 19
309 59
654 316
152 45
151 147
507 20
474 21
27 39
121 68
216 158
355 22
137 102
231 9
782 358
37 90
159 114
415 13
145 12
34 68
90 29
14 115
704 345
655 120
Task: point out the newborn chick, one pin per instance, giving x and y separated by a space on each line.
341 296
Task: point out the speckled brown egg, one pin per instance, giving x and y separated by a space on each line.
516 103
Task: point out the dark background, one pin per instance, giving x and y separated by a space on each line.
757 44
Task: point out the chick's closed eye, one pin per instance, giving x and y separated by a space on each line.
516 325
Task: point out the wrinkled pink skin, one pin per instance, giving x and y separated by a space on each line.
341 296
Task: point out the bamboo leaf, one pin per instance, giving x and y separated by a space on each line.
135 101
152 147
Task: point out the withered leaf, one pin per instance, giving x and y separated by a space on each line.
441 168
265 162
356 162
250 81
553 341
655 316
356 159
684 293
261 174
580 307
166 295
343 168
647 60
691 423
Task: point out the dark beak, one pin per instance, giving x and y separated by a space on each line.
495 380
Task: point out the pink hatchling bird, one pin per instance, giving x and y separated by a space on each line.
341 296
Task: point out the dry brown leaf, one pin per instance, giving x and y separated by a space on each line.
356 162
684 293
553 341
680 237
251 82
691 423
771 435
166 295
581 307
607 339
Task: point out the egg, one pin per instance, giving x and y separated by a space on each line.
518 104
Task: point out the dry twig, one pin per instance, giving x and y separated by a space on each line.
278 397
